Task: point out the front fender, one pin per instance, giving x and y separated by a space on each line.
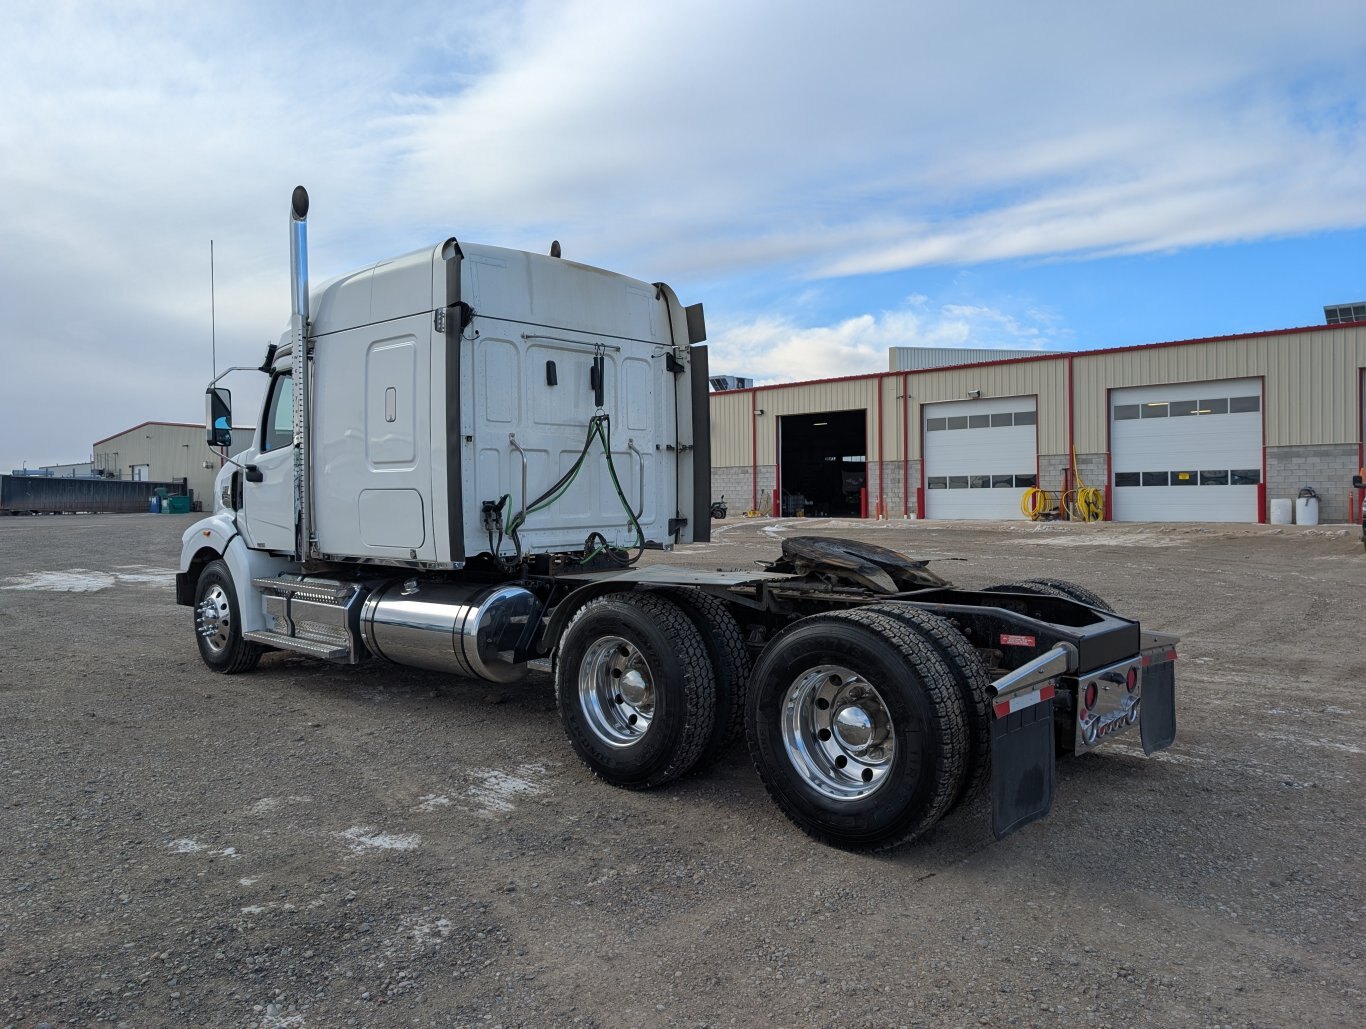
216 538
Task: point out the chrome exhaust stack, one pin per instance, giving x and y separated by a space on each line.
298 324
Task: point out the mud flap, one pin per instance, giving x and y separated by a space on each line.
1023 765
1157 715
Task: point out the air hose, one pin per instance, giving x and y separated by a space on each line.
1034 503
1085 503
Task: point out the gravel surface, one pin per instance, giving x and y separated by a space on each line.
310 845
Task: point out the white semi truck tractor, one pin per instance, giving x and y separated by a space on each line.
461 456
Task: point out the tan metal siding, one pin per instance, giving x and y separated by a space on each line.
1310 390
1045 379
730 430
813 398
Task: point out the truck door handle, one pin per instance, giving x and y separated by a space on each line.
254 474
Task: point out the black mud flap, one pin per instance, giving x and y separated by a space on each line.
1157 715
1023 767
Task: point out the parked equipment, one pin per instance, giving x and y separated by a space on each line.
464 453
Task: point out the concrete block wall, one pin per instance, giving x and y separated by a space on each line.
735 484
1327 467
1051 470
893 489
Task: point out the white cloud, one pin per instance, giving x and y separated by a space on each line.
702 140
774 348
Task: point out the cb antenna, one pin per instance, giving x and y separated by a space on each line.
213 329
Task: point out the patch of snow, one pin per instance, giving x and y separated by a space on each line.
184 846
73 580
430 803
495 790
362 838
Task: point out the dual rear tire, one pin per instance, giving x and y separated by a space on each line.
866 726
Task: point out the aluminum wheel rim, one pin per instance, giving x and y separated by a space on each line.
213 619
837 732
616 691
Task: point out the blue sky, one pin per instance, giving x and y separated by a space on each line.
830 180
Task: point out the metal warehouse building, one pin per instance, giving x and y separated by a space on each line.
166 451
1195 430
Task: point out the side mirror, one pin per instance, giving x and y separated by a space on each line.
218 416
1356 482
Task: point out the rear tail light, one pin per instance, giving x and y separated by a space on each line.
1091 693
1132 681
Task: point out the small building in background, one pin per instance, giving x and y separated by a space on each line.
166 452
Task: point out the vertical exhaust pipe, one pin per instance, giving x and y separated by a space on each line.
298 284
298 251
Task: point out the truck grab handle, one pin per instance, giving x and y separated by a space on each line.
1058 661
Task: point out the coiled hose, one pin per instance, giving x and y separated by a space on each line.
1085 503
1035 503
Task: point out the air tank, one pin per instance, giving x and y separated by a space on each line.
446 627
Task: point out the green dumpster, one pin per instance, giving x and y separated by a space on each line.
176 505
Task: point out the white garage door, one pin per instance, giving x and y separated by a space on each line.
1187 452
980 456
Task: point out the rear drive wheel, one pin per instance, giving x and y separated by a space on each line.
970 676
1054 588
725 645
218 623
857 729
635 688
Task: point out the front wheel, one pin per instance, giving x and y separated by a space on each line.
857 729
218 623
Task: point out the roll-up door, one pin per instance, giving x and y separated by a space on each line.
980 457
1187 451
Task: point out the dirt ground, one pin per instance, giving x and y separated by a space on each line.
309 845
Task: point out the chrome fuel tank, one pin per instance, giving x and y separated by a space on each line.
465 629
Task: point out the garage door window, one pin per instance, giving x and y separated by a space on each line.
1185 478
1126 412
1245 476
1244 405
1155 479
1155 410
1218 477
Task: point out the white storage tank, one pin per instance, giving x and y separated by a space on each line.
1307 507
1282 512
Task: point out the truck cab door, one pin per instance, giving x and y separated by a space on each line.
268 516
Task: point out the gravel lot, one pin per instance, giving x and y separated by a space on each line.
309 845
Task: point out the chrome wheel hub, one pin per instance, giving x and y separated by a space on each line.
616 691
837 732
213 619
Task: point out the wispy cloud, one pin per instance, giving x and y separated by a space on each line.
695 142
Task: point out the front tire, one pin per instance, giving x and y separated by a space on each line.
857 729
218 623
635 688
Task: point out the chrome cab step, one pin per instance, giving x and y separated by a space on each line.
319 617
328 652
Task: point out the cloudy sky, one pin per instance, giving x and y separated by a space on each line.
829 179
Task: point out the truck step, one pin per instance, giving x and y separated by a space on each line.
326 651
